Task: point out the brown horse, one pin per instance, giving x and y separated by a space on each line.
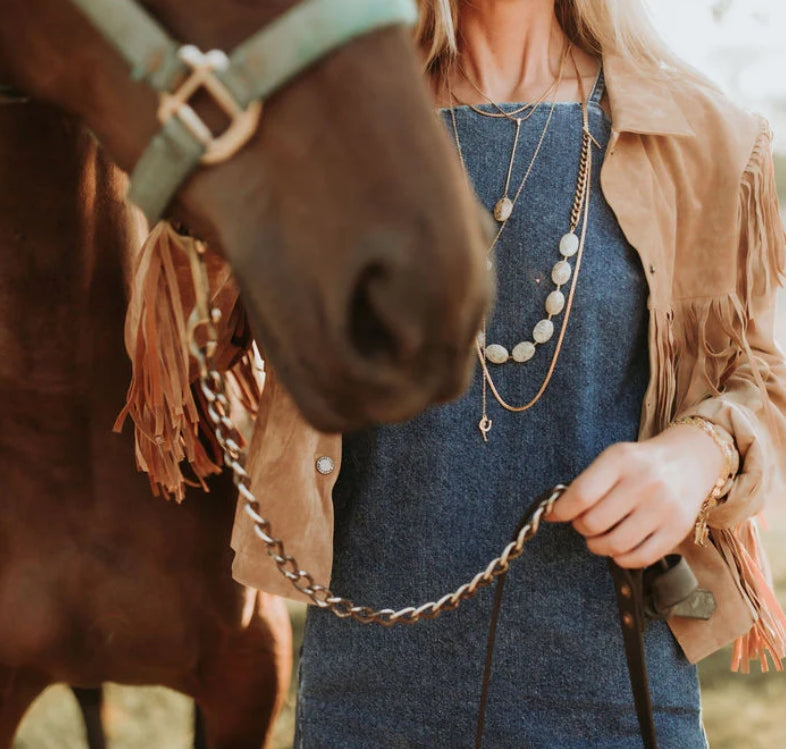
365 291
100 581
356 242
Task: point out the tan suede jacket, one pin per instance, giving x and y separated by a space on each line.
689 177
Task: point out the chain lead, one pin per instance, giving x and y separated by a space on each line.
213 388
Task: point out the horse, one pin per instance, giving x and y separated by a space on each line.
99 580
354 237
357 248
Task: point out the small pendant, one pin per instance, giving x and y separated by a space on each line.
485 427
503 209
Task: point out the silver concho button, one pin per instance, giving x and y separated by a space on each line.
325 465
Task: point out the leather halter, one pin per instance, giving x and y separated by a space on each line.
237 83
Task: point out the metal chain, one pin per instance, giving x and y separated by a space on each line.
212 385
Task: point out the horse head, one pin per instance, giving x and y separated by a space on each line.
349 226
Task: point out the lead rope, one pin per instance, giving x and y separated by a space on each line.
202 346
203 339
629 586
495 611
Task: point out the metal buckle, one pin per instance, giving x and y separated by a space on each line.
175 104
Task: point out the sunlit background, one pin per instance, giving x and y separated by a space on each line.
740 44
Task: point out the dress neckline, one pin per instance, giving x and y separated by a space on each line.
595 97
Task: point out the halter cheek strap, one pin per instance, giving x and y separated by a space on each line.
238 83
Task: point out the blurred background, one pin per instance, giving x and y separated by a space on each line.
740 44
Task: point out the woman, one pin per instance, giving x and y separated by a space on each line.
630 354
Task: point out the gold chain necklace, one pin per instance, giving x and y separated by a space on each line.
500 111
520 189
570 244
503 208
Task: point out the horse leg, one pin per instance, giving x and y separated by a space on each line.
90 701
200 738
244 682
18 689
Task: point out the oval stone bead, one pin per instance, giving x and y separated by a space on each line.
569 245
497 354
503 209
523 351
543 331
481 339
560 273
555 302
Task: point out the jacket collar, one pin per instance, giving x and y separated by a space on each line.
641 103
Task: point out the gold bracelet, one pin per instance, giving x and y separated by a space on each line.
731 464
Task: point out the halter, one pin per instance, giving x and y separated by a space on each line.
237 83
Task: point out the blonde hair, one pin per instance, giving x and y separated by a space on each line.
621 27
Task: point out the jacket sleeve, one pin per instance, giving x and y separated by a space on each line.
750 402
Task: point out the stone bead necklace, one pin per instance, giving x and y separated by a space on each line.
562 271
571 244
543 331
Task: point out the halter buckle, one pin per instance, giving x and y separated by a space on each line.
202 76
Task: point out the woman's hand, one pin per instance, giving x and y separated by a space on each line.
638 500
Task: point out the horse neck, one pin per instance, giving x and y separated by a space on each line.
63 232
80 71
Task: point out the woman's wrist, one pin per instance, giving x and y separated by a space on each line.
729 470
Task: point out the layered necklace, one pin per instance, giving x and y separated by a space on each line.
571 245
503 208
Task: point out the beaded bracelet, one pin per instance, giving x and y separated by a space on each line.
731 464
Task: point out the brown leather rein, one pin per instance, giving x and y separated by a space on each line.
667 588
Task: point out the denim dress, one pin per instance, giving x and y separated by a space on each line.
421 507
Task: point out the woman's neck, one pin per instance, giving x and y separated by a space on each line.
509 46
511 50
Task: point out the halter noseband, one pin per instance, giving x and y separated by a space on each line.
238 83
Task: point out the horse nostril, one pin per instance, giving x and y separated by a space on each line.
371 334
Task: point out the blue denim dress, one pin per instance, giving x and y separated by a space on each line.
421 507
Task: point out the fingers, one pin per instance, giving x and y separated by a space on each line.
591 485
627 534
653 548
640 538
608 512
628 505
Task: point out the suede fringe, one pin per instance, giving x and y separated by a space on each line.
682 331
765 246
742 549
759 214
168 412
